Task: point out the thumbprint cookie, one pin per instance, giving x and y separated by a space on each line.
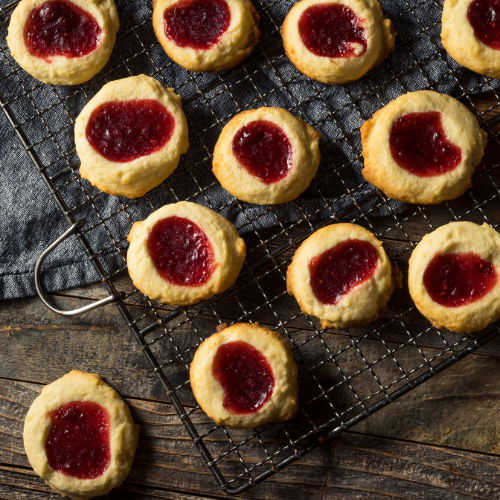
266 156
80 437
63 42
130 136
422 147
337 41
453 276
342 275
245 376
206 35
184 253
471 34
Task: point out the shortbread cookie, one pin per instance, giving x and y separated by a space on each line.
422 147
471 34
206 35
266 156
342 275
337 41
63 42
80 437
130 136
184 253
453 276
245 376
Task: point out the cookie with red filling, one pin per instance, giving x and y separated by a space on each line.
453 276
342 275
245 376
423 147
63 42
79 436
337 41
266 156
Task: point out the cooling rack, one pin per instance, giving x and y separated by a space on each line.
344 376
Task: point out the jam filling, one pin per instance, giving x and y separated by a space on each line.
264 150
181 251
458 279
60 28
484 17
123 131
419 145
78 443
198 24
332 30
245 376
337 271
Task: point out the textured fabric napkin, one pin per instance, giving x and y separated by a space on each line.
30 219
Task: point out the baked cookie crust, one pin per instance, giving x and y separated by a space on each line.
235 179
461 129
282 404
123 433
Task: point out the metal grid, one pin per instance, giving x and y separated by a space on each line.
344 376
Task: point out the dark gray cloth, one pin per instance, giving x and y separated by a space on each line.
30 219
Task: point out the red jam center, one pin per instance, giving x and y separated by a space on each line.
458 279
419 145
78 443
332 30
264 150
245 375
123 131
181 251
198 24
60 28
484 17
337 271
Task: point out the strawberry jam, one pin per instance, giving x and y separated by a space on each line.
181 251
264 150
198 24
419 145
458 279
60 28
245 375
123 131
484 17
78 442
337 271
332 30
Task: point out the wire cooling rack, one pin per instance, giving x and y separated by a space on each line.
344 376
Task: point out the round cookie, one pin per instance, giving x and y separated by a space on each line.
266 156
63 42
184 253
130 136
453 276
342 275
206 35
245 376
471 34
337 41
422 147
80 437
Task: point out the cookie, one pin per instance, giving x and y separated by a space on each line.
245 376
80 437
422 147
130 136
342 275
266 156
206 35
337 41
453 276
63 42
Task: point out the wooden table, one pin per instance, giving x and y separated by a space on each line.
440 441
